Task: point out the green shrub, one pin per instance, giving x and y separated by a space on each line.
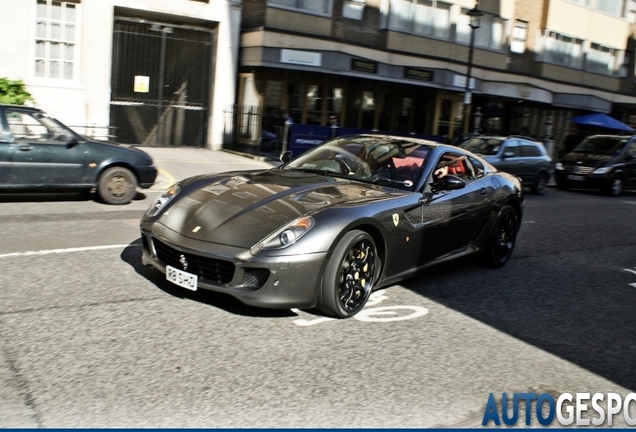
14 92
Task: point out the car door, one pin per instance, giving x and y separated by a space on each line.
452 218
511 160
41 152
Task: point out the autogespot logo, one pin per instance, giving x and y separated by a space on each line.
568 409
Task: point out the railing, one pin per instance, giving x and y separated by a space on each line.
97 132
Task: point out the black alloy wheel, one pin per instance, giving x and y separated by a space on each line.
350 275
505 237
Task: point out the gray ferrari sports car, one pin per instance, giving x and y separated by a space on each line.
328 227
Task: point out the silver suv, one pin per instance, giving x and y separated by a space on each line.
522 156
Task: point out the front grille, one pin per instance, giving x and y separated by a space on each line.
255 278
214 270
575 169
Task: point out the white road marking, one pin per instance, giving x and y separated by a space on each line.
633 284
630 270
68 250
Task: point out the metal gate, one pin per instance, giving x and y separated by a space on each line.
160 83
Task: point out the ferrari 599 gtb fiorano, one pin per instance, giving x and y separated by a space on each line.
328 227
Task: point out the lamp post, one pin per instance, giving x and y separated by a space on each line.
475 16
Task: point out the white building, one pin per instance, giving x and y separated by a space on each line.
97 63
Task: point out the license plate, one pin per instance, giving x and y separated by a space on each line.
576 177
181 278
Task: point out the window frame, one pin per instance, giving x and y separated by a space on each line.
62 41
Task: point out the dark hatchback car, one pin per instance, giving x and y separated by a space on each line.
521 156
601 162
518 155
38 153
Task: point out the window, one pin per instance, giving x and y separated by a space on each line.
612 7
317 7
353 9
530 150
562 50
31 127
580 2
519 37
425 17
602 60
55 40
490 34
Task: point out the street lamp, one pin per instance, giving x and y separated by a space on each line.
475 17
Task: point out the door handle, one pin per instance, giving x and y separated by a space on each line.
25 148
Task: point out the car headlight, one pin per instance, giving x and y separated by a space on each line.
163 199
287 235
559 166
602 170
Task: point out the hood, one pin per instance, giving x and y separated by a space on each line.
586 159
243 208
110 148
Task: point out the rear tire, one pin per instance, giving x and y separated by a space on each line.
117 186
505 237
350 275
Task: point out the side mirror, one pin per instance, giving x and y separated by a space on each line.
448 182
72 142
509 154
286 156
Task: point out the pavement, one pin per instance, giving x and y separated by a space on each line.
176 163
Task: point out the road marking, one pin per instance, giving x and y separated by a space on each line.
633 284
630 270
68 250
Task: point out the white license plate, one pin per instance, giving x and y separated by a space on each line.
181 278
576 177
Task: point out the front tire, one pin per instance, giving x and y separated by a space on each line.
350 275
540 184
616 187
117 186
505 237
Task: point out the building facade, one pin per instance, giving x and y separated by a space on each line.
150 72
402 65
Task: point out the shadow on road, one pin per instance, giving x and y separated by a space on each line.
132 256
21 196
581 323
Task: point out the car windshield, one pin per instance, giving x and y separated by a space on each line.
602 145
483 146
384 160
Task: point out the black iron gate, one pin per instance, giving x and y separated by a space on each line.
160 83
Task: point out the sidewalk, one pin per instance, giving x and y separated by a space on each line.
177 163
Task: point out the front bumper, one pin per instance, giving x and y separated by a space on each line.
279 282
147 175
586 181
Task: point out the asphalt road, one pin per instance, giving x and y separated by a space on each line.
91 338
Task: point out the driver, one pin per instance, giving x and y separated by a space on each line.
440 172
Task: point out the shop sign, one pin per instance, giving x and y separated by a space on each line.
419 74
364 66
306 58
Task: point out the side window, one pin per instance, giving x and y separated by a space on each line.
631 150
511 149
478 167
27 127
530 150
453 164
